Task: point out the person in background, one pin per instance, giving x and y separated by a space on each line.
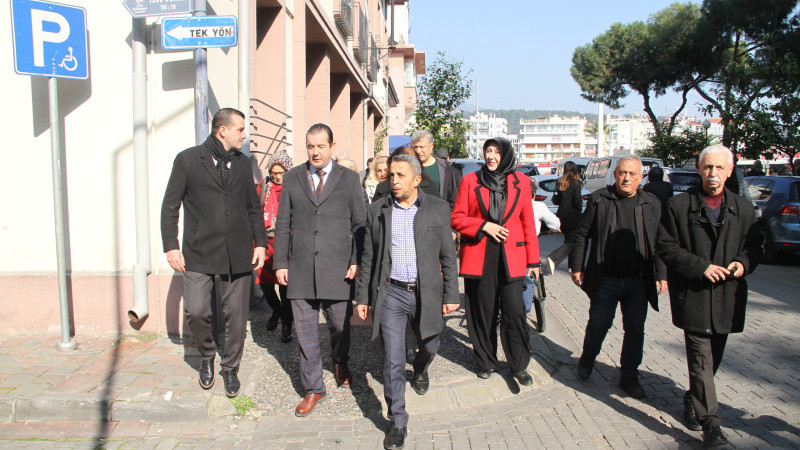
569 201
757 170
710 240
499 248
542 213
441 172
658 187
379 174
347 163
362 174
269 191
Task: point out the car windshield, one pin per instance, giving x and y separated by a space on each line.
469 167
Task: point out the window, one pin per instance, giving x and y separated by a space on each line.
548 185
602 168
411 76
760 190
591 170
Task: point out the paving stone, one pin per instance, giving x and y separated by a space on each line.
62 407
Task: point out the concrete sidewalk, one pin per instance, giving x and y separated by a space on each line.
128 381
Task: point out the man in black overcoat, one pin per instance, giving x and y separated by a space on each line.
409 275
224 240
709 240
319 235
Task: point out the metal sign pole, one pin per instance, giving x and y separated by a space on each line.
201 84
66 343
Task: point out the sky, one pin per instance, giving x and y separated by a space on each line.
520 51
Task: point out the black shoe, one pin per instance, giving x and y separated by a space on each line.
523 378
396 439
420 383
286 333
689 415
411 355
272 322
207 373
232 384
585 369
713 437
630 384
485 374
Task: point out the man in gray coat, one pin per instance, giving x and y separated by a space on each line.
319 235
409 274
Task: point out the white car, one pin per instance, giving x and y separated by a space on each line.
547 186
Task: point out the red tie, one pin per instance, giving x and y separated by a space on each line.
320 185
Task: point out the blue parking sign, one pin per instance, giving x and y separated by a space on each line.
49 39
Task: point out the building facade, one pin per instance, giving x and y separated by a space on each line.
546 139
481 128
304 61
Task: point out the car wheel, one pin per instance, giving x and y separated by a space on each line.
770 255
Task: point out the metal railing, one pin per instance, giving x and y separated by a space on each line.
343 18
361 40
271 134
372 67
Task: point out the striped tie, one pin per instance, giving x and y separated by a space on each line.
320 185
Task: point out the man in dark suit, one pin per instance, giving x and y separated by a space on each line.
409 274
222 223
319 235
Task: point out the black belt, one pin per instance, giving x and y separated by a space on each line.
403 284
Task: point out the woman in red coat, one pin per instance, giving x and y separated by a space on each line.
269 191
499 247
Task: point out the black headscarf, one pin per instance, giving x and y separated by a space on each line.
495 180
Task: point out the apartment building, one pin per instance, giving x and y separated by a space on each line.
628 134
301 62
481 128
545 139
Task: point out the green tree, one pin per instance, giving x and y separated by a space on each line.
675 148
646 57
440 93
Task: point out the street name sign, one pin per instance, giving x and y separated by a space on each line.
149 8
49 39
199 32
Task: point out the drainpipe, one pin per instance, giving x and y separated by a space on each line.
143 267
244 69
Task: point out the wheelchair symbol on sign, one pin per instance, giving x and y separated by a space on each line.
69 62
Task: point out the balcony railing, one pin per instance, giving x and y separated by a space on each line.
344 18
267 136
372 67
361 40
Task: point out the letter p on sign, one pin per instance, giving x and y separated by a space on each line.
40 36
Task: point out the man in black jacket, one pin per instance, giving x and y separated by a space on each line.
409 275
442 172
709 240
223 223
621 221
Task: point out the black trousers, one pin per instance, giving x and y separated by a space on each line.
564 250
704 355
279 305
234 299
493 300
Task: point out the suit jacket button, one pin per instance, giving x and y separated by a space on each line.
316 213
316 253
316 232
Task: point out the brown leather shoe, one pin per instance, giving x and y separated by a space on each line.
342 375
306 406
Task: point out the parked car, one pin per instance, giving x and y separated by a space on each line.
580 161
473 165
777 203
681 179
547 187
600 171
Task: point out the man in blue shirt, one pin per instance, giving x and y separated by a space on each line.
408 274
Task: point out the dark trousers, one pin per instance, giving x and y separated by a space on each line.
401 307
703 355
564 250
492 299
235 301
631 294
306 322
279 305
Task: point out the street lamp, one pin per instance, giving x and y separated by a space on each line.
706 125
